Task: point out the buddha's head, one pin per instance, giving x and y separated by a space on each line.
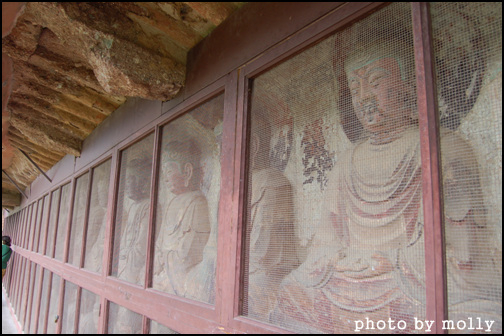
380 74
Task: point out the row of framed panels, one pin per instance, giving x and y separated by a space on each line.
199 224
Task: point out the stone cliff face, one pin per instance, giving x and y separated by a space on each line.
67 66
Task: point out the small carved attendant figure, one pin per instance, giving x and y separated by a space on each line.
186 226
368 258
272 244
97 219
133 246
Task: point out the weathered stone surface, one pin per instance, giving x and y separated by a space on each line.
46 131
11 199
215 12
67 66
10 13
29 146
22 41
122 67
6 91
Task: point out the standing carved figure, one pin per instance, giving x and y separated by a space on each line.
185 228
133 242
133 233
271 225
97 223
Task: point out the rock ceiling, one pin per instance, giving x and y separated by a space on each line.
67 65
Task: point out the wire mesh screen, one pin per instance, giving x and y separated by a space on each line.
189 188
19 229
22 218
53 217
25 292
29 303
97 222
24 225
26 233
27 226
43 301
18 226
77 225
17 280
52 313
334 215
89 313
31 230
133 212
37 225
69 300
158 328
43 225
123 321
35 300
468 53
62 222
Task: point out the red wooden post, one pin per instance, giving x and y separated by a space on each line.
435 277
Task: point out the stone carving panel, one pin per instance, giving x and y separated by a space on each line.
89 313
189 187
77 224
53 216
350 184
97 219
468 54
123 321
62 222
69 300
133 212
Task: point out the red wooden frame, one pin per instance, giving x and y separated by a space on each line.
435 275
195 317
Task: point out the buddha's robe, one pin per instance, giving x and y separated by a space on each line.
368 257
180 242
271 249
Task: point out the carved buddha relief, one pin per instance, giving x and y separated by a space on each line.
270 223
366 258
131 229
133 212
186 226
97 222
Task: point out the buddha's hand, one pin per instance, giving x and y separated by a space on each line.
361 267
346 262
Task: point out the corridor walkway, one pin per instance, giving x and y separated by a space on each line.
10 324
